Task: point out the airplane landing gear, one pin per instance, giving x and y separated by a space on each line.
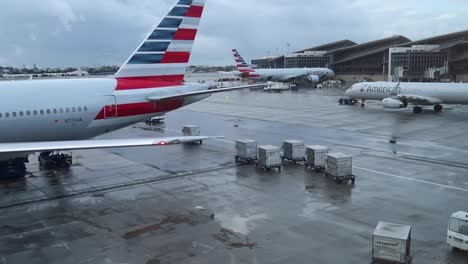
50 160
417 110
438 108
13 169
363 103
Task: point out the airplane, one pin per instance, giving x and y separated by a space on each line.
399 95
47 116
312 75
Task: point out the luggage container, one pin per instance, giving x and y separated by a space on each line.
294 151
269 157
339 167
191 131
391 243
316 157
246 151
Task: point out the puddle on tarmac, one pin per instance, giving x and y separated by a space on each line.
239 223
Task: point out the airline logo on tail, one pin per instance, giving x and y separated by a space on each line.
162 59
243 67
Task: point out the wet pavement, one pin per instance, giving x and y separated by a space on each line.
192 204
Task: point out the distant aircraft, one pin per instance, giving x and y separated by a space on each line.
59 115
312 75
399 95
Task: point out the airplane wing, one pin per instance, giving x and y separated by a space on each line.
178 96
95 144
418 99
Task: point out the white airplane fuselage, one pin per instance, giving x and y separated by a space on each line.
284 75
75 109
445 93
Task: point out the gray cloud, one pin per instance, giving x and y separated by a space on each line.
86 32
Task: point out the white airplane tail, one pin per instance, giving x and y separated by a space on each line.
162 58
242 66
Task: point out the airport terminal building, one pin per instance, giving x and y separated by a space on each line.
397 58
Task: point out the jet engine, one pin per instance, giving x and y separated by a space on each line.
313 78
392 103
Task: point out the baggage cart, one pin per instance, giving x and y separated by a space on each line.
293 151
191 131
339 168
269 157
391 244
316 157
246 151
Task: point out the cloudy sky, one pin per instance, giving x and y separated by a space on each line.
57 33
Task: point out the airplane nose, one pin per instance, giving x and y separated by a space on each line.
348 92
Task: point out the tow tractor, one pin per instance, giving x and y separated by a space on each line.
56 159
13 169
347 101
155 120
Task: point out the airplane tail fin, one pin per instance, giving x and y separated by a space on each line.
241 64
162 58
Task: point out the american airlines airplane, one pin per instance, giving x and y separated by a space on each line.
399 95
312 75
59 115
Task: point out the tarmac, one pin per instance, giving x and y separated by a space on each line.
193 204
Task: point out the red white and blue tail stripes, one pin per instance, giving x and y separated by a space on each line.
241 64
162 59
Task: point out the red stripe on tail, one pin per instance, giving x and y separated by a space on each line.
176 57
185 34
195 11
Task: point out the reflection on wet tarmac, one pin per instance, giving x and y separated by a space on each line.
240 224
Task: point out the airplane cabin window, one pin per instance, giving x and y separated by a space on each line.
34 112
73 109
55 111
1 115
79 108
85 108
61 110
13 114
48 111
7 115
21 113
42 112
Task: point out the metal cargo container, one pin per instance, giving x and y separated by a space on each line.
246 149
191 131
269 156
339 165
293 150
316 155
391 243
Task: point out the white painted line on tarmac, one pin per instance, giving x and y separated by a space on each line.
413 180
172 130
225 141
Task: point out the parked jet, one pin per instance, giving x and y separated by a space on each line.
312 75
399 95
60 115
